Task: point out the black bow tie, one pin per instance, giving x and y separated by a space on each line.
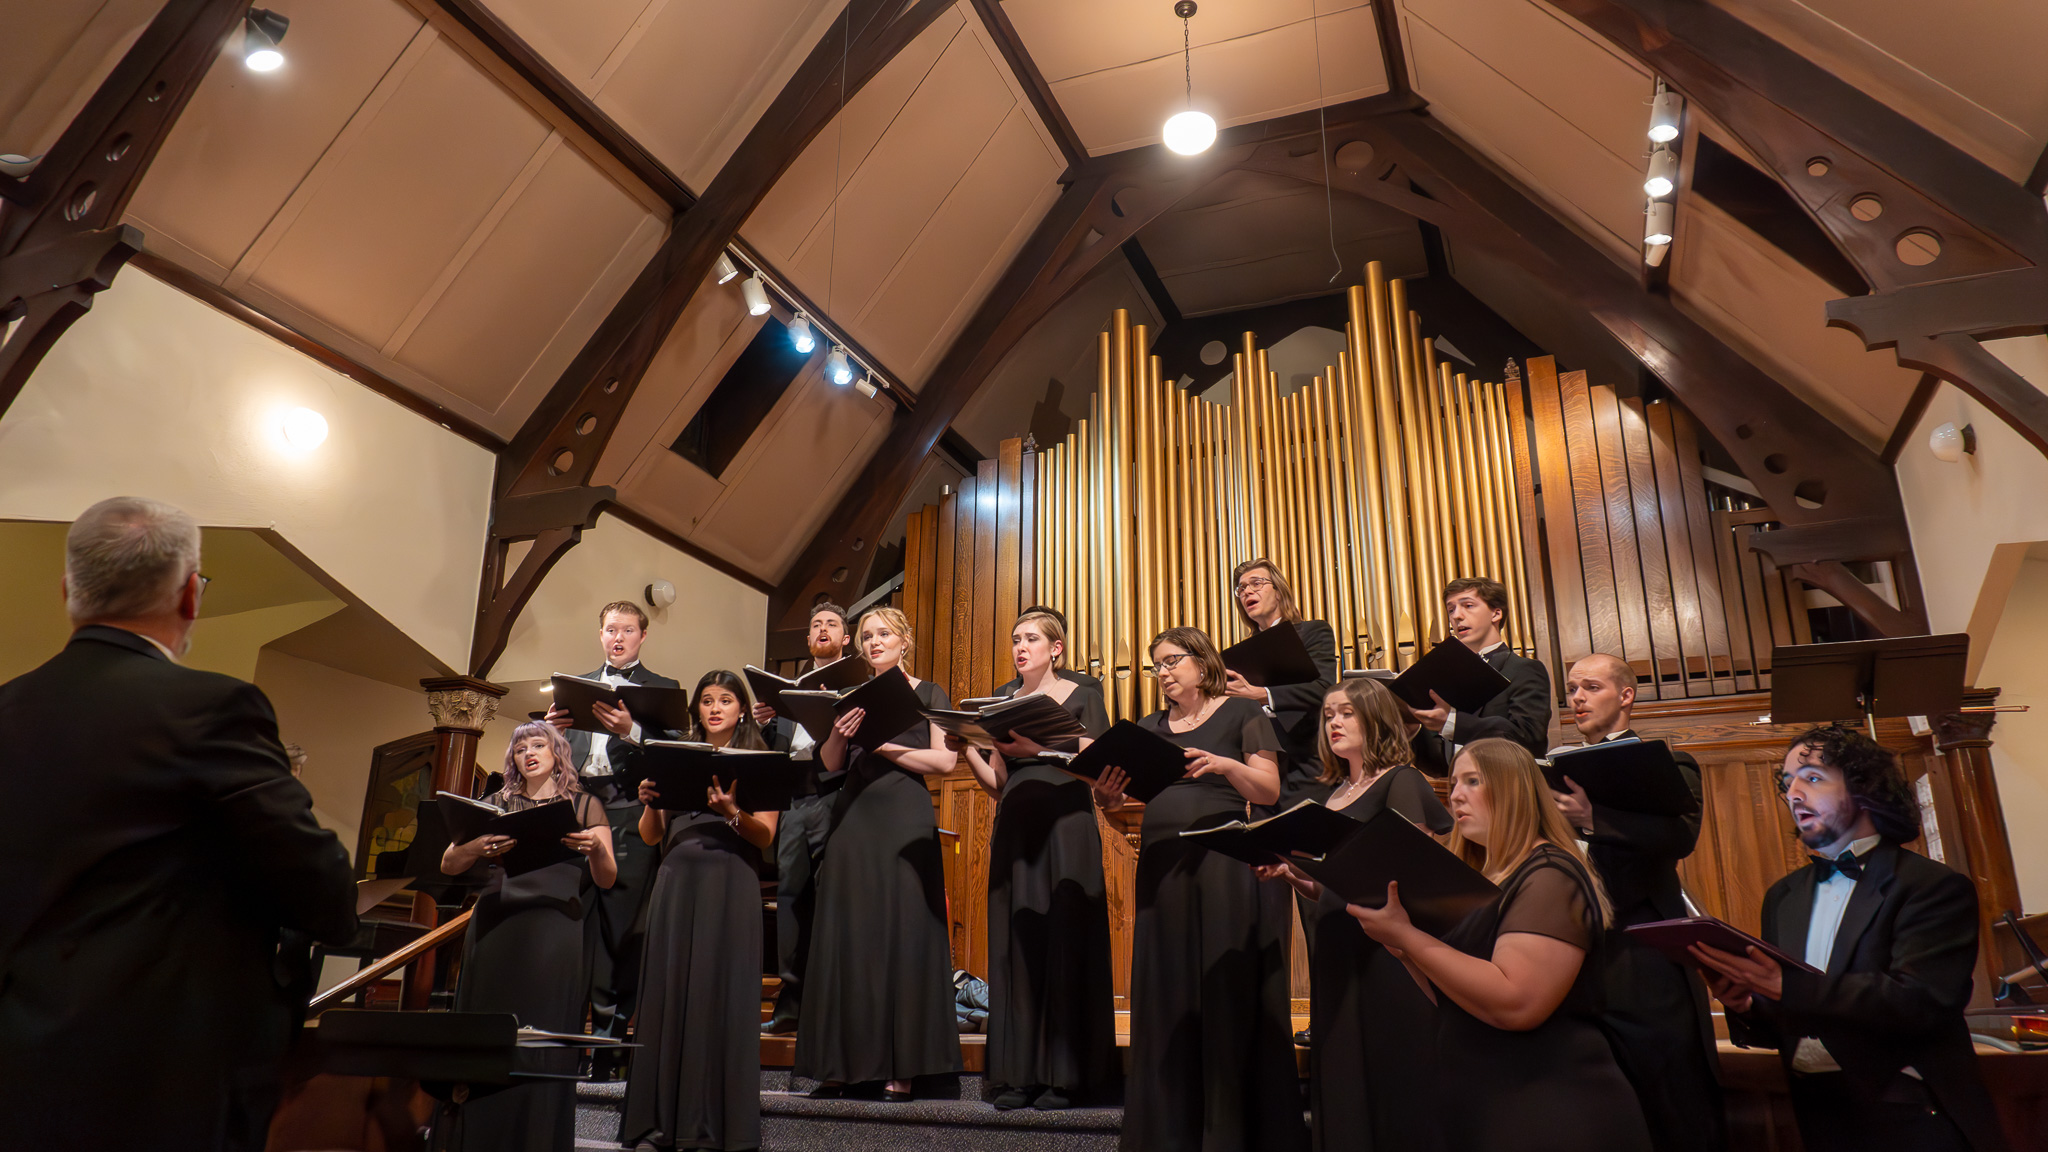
1846 864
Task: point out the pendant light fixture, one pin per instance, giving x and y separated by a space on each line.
1189 133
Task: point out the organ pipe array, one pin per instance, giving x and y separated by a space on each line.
1369 488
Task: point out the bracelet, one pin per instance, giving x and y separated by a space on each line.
733 821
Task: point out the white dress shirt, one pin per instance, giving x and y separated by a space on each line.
599 762
1830 900
1451 721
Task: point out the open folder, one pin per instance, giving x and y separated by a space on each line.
892 707
1674 937
682 772
1458 674
1037 717
1150 760
1437 887
1308 829
1631 775
837 676
653 707
538 830
1273 657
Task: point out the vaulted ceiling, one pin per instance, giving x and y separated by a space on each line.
404 196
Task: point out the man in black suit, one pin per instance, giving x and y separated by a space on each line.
800 833
1476 608
1875 1045
155 852
1064 673
1265 600
620 920
1656 1013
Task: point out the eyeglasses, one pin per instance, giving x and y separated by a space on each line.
1251 583
204 580
1167 663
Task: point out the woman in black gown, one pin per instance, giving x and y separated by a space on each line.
525 952
1052 1006
1372 1082
1212 1068
696 1083
1264 599
878 998
1520 1055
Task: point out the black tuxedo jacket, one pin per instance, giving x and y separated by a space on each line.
1298 713
616 749
1520 713
154 848
1637 855
1897 982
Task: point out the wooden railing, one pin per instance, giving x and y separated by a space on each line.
379 969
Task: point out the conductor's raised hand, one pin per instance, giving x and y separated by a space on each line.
648 793
1388 925
1109 789
616 721
764 714
583 841
559 717
719 798
1433 718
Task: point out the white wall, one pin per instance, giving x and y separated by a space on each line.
2019 750
155 394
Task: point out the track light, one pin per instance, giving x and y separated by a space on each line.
866 386
262 31
1664 113
1189 132
837 369
755 294
800 335
1657 226
1663 173
726 268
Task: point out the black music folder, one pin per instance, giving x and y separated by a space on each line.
837 676
981 722
1308 829
1896 676
575 695
682 772
538 830
892 707
1149 760
1632 775
1458 674
1437 888
1273 657
1673 937
657 709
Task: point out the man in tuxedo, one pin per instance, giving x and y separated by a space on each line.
800 834
1875 1046
619 921
1657 1013
1082 678
1476 608
160 869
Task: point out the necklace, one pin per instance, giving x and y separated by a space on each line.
1202 717
1351 790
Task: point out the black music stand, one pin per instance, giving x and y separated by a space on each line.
1896 676
455 1056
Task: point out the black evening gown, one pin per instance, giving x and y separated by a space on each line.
1212 1062
696 1082
1555 1087
1372 1082
878 997
1052 1006
526 953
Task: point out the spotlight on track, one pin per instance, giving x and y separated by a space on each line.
800 335
1664 113
1657 224
262 31
726 269
866 386
755 294
1663 175
837 369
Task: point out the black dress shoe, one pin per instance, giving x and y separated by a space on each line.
1010 1099
1302 1038
1052 1100
827 1092
894 1097
779 1024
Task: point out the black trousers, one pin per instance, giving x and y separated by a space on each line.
620 926
799 849
1834 1118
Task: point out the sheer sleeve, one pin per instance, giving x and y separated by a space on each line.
1409 794
590 811
1551 899
1256 735
1087 704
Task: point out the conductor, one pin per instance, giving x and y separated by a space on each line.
156 851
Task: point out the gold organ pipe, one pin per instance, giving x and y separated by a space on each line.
1431 581
1120 517
1475 466
1331 436
1213 538
1083 619
1503 500
1423 565
1314 574
1148 540
1366 459
1520 586
1461 457
1160 560
1284 436
1326 541
1356 542
1387 430
1446 518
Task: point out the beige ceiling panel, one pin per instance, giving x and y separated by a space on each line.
919 161
707 338
1069 38
1238 81
1773 310
381 221
1557 62
576 38
1572 171
963 248
696 74
670 490
52 59
247 139
557 244
797 205
792 473
1968 70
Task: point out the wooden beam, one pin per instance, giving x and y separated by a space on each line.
61 240
1839 582
1036 89
1909 417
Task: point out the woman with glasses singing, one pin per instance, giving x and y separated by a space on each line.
1265 599
1211 1065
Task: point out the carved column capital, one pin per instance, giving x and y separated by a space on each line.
462 703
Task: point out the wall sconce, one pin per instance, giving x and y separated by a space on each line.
1950 443
660 594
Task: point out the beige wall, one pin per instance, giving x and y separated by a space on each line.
2019 753
339 719
155 394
